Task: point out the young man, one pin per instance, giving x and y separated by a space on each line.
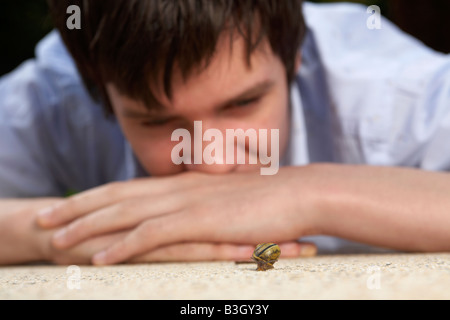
353 106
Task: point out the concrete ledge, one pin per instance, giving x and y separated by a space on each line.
356 276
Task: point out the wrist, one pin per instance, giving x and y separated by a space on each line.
321 194
41 246
33 240
23 240
345 206
307 187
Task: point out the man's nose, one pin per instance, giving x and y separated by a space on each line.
210 155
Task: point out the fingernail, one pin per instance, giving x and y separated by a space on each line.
308 250
99 258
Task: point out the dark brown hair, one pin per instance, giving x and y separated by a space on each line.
133 43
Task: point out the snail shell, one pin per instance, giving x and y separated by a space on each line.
265 255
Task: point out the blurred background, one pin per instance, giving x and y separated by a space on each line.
24 22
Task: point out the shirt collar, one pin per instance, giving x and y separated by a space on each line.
297 151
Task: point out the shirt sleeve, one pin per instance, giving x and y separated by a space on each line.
420 114
386 93
24 170
54 138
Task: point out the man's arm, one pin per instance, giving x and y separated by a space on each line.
392 207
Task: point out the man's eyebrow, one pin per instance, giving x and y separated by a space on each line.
130 113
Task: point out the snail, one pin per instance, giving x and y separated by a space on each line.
265 255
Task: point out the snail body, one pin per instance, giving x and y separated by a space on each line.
265 255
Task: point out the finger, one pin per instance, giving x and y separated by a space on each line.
190 225
185 252
153 233
80 204
297 249
82 253
181 226
146 237
196 252
123 215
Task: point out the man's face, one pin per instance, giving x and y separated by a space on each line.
226 95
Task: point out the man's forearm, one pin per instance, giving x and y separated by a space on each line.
398 208
21 240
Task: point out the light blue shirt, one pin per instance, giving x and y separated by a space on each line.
362 96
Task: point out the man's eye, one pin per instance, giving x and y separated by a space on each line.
154 123
246 102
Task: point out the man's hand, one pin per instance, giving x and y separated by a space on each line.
191 216
22 241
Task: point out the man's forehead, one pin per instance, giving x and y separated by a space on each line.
228 76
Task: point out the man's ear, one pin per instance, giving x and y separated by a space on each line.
298 62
